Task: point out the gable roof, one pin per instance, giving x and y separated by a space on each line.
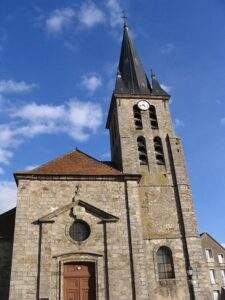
97 212
74 163
206 234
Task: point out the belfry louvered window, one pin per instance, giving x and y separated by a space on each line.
137 117
142 151
153 117
165 263
160 160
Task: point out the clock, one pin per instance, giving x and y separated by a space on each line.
143 105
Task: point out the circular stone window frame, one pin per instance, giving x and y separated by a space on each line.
67 231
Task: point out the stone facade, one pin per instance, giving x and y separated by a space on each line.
52 247
216 263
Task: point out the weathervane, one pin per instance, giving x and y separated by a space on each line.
124 18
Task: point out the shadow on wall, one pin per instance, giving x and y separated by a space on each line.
222 297
7 222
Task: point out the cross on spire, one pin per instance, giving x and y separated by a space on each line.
124 18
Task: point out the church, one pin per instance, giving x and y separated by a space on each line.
123 229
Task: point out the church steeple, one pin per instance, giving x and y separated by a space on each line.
131 77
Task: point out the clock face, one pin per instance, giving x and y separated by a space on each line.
143 105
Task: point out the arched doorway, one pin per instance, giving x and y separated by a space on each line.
79 281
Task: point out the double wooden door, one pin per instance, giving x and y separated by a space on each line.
79 281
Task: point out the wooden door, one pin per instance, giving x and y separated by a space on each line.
79 281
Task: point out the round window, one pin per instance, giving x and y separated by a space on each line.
79 230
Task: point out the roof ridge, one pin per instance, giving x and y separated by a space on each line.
206 233
73 162
95 159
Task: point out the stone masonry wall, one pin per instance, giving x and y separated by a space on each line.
167 212
38 198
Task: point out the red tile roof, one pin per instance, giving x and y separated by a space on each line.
75 163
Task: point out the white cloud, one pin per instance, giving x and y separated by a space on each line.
59 19
5 155
115 11
12 86
90 14
91 82
35 112
166 88
167 48
75 118
1 171
178 123
7 195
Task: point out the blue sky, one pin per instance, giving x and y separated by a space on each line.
57 70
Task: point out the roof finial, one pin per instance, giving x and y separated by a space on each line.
124 17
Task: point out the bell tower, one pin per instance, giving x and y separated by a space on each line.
139 112
143 142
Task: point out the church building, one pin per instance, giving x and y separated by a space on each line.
123 229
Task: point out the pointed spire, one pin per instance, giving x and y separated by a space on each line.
131 77
156 87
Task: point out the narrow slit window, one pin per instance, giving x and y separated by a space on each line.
142 151
212 276
159 154
153 117
137 117
165 263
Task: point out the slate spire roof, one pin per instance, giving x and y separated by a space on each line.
131 77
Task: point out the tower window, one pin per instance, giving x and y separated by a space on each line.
153 117
165 263
137 117
160 160
142 151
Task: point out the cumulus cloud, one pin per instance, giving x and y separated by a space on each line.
115 11
91 82
12 86
86 16
90 14
7 195
59 19
34 112
75 118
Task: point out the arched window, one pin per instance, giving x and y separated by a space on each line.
165 263
142 151
137 117
160 160
153 117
